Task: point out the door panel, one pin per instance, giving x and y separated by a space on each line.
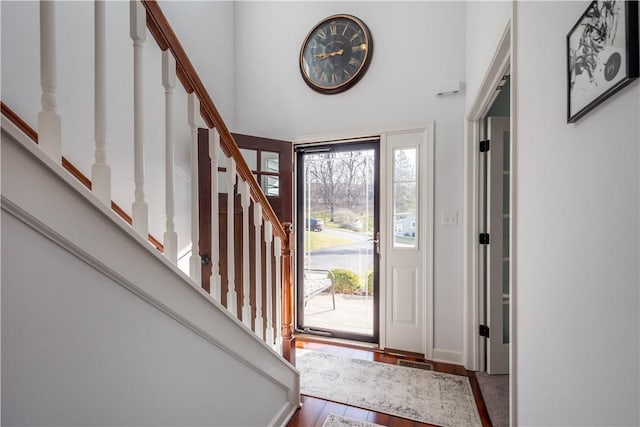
404 296
498 216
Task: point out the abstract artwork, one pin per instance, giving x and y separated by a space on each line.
602 54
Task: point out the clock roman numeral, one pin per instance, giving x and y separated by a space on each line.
333 29
362 46
355 62
322 34
355 36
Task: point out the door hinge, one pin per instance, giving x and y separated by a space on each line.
484 238
485 145
483 330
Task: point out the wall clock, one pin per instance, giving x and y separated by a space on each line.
335 54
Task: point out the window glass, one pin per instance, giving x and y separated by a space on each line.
405 198
270 185
251 157
269 162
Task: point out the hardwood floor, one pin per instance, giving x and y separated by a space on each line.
314 411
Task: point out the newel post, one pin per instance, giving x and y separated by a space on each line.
288 338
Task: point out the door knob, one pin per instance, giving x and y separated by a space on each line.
377 242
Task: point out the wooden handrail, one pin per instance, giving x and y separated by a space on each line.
166 38
33 135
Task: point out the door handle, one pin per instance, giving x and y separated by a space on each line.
377 242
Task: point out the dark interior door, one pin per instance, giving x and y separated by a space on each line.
271 162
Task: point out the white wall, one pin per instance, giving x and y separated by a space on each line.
415 45
206 31
485 24
578 238
210 49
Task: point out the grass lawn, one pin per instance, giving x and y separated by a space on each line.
320 240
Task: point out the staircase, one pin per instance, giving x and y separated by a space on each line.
100 326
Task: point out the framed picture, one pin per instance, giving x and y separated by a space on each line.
602 54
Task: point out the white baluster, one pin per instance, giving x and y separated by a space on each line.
214 148
100 170
49 127
268 237
232 303
246 280
169 83
195 264
257 222
140 210
277 254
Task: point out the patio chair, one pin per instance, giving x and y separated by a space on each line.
317 282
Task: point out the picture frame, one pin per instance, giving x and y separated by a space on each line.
602 54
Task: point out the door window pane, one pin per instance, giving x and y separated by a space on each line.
251 157
405 198
270 185
269 161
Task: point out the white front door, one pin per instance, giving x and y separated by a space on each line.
498 212
407 241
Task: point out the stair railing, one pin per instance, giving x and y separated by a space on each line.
273 299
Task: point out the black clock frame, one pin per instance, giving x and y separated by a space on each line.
359 72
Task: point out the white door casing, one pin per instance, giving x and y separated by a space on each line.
498 252
407 270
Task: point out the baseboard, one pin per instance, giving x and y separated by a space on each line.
284 415
447 356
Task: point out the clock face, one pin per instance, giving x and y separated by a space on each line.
336 54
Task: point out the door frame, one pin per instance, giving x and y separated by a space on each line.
473 313
428 130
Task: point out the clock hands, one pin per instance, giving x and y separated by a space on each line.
329 55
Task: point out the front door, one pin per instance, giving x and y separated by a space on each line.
338 240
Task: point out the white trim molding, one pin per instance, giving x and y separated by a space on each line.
446 356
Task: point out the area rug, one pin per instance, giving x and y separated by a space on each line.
495 392
334 420
428 397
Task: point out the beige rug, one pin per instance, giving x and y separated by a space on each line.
428 397
334 420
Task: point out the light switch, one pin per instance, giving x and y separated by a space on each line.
449 218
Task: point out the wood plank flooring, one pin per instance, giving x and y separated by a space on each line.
314 411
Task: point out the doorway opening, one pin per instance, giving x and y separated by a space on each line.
495 216
338 197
